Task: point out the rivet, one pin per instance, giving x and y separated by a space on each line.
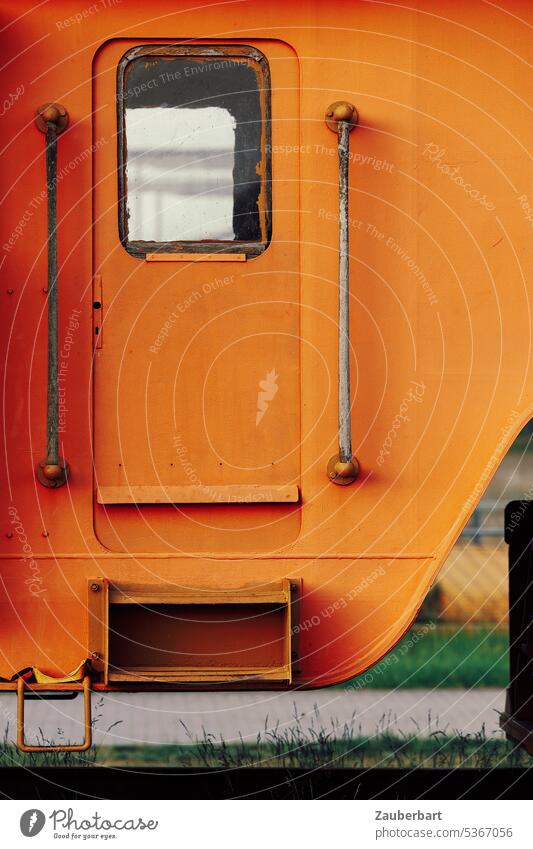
45 533
9 535
95 588
45 290
10 291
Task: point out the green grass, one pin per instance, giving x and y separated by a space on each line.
305 743
442 656
385 751
309 748
429 656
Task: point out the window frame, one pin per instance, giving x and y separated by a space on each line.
140 248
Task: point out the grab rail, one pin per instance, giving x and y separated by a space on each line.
343 468
85 686
52 119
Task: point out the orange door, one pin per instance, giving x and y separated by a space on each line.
196 296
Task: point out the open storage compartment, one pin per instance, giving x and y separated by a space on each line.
156 634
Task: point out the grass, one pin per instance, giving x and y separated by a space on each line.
429 656
313 748
310 746
363 752
442 655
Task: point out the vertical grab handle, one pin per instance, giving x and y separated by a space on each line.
51 119
343 468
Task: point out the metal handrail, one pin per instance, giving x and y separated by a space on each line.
341 118
51 119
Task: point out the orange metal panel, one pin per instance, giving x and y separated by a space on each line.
198 353
441 254
219 257
225 494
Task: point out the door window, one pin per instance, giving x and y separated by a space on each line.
194 151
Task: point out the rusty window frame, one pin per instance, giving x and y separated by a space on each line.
209 51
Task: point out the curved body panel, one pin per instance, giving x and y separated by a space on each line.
239 389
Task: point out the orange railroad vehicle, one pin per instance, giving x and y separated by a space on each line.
267 328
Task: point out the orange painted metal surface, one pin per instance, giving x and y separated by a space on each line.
441 199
